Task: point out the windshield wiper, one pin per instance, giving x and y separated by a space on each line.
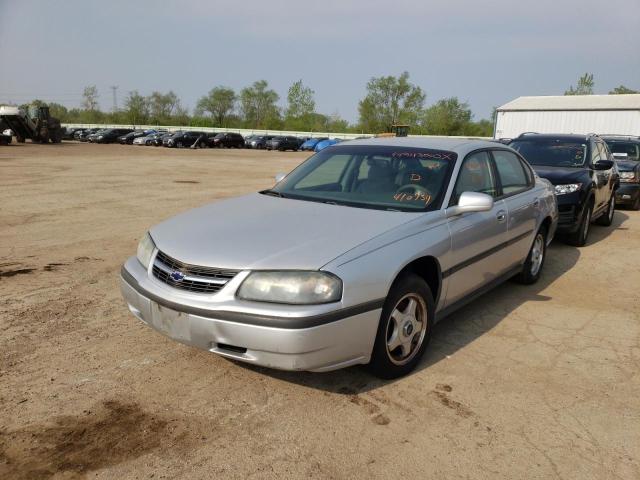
272 193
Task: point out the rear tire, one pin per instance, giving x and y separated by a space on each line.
607 218
532 267
404 328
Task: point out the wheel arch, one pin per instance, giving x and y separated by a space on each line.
428 268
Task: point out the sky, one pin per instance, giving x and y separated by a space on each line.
483 52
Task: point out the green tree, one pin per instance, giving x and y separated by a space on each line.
258 106
300 108
390 100
447 117
622 90
162 107
219 103
90 98
136 108
584 87
58 111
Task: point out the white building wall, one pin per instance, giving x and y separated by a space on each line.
510 124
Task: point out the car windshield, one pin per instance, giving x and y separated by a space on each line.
552 153
378 177
626 150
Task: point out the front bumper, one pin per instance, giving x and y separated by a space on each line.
627 193
315 341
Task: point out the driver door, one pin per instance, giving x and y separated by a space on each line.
478 238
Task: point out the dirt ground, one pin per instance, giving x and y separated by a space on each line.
525 382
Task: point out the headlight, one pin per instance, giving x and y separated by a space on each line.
145 250
627 176
570 188
292 287
100 137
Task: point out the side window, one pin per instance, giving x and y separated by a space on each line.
513 176
475 175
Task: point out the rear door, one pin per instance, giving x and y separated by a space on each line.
521 201
477 238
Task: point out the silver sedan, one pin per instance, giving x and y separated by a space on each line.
349 259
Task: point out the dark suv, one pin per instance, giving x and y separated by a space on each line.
283 143
584 174
186 139
227 140
626 152
111 135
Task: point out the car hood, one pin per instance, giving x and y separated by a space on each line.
561 175
264 232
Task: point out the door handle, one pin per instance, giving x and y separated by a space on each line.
536 202
501 216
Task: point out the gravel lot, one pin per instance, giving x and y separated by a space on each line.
526 382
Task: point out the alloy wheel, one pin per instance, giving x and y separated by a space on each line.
537 254
406 328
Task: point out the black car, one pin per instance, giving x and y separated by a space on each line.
110 135
186 139
161 140
626 152
584 174
284 143
128 138
69 133
83 135
227 140
259 141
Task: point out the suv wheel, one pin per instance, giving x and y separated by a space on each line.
532 267
404 329
636 203
579 238
607 218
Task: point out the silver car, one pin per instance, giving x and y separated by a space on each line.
349 259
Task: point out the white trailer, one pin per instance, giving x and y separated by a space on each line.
601 114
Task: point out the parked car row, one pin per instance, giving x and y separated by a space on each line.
198 139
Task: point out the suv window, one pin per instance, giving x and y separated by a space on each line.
475 175
630 149
513 176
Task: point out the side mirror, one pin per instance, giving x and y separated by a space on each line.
603 165
471 202
280 177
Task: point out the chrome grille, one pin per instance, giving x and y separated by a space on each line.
196 278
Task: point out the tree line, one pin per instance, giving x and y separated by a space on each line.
389 100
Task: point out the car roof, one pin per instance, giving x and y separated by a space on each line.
460 145
554 136
620 138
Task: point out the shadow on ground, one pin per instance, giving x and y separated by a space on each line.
462 327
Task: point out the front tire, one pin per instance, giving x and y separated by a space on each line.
532 267
579 238
607 219
636 203
404 329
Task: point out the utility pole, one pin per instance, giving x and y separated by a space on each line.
114 88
